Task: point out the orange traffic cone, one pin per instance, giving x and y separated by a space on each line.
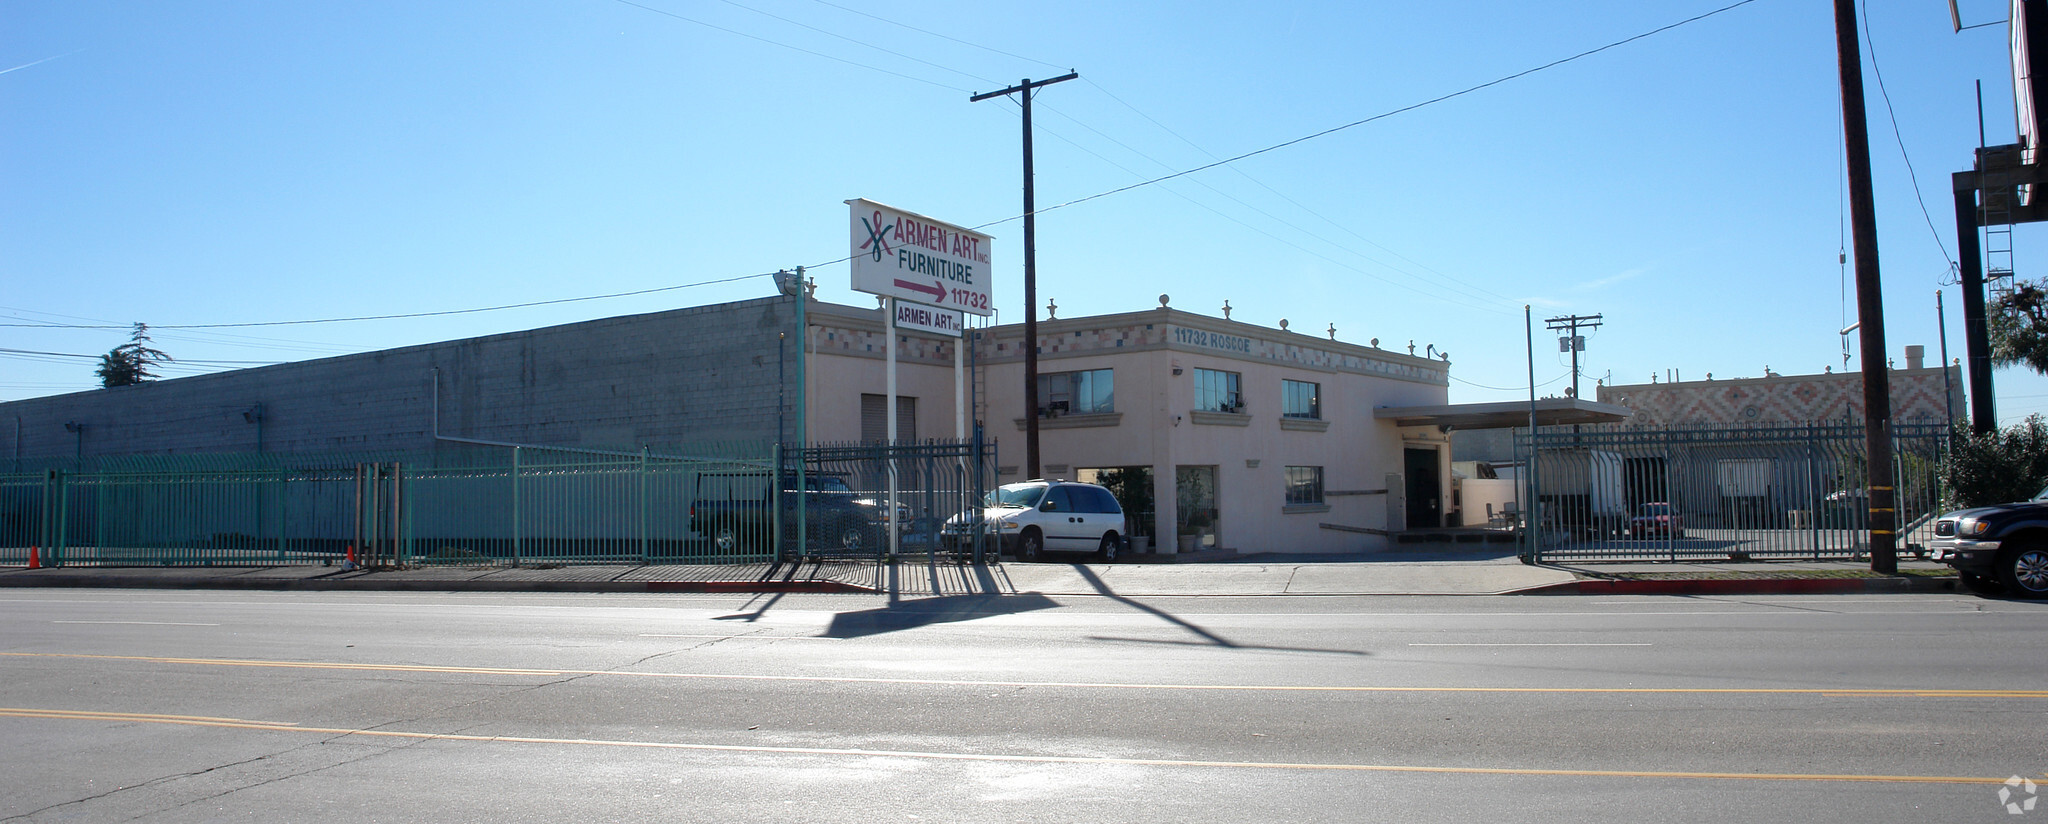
351 563
35 558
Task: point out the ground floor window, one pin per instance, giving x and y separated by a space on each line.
1304 485
874 421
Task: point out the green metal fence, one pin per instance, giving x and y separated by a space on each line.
1768 492
480 504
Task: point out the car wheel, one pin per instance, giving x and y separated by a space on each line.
1030 545
2024 571
726 539
852 539
1110 544
1980 584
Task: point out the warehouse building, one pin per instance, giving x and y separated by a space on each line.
1217 433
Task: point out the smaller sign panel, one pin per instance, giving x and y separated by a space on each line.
909 256
911 317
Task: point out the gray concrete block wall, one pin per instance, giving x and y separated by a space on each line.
688 375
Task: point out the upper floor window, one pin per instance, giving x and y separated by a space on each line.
1077 393
1217 391
1301 399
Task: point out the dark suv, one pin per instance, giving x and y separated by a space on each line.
1999 549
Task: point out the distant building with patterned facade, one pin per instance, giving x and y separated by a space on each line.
1919 393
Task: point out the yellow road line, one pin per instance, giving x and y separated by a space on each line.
840 679
230 723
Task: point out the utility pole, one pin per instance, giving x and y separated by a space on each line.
1023 91
1877 392
1570 325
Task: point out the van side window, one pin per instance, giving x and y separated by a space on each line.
1104 501
1057 501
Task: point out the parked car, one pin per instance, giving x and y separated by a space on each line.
1032 518
1657 518
1999 549
734 510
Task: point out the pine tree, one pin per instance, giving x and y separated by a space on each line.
129 363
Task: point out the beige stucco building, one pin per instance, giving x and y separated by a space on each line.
1246 437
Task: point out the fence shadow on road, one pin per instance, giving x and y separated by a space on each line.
924 612
1208 638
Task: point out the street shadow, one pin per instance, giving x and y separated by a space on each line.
1208 637
766 603
901 615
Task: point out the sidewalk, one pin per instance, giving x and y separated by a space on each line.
1444 573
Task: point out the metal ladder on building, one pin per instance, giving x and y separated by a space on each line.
1995 217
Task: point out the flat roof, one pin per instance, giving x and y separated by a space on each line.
1506 414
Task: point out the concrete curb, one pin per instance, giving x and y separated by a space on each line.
371 584
1750 586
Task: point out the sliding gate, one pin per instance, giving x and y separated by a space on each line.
1722 493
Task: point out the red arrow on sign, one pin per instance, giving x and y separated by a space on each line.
937 292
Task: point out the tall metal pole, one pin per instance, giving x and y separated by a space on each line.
1531 522
1023 91
1948 389
1877 396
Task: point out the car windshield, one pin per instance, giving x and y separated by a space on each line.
1656 509
1024 496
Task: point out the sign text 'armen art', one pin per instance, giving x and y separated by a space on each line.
911 257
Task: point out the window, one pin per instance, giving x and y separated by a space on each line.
1217 391
1301 399
1077 393
874 421
1304 485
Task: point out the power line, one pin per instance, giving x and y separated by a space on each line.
1402 110
1870 45
855 42
940 36
97 357
1443 278
394 317
788 46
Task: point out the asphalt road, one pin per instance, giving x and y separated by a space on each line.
209 706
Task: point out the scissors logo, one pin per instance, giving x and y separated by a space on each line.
878 236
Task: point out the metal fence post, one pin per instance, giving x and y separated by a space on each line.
643 504
517 537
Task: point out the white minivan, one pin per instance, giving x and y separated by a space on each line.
1035 517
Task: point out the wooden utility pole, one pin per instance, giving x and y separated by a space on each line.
1877 393
1570 326
1023 91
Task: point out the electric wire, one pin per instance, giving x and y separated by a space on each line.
941 36
399 316
1276 238
1870 45
1297 204
862 43
757 38
1522 388
1402 110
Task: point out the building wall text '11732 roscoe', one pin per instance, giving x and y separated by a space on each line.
1212 340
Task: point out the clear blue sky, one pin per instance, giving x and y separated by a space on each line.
214 162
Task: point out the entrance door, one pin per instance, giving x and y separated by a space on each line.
1425 489
1195 489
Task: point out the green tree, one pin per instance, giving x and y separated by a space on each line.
1996 467
2018 325
129 363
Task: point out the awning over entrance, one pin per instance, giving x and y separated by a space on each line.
1505 415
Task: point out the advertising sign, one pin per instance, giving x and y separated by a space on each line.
911 317
911 257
